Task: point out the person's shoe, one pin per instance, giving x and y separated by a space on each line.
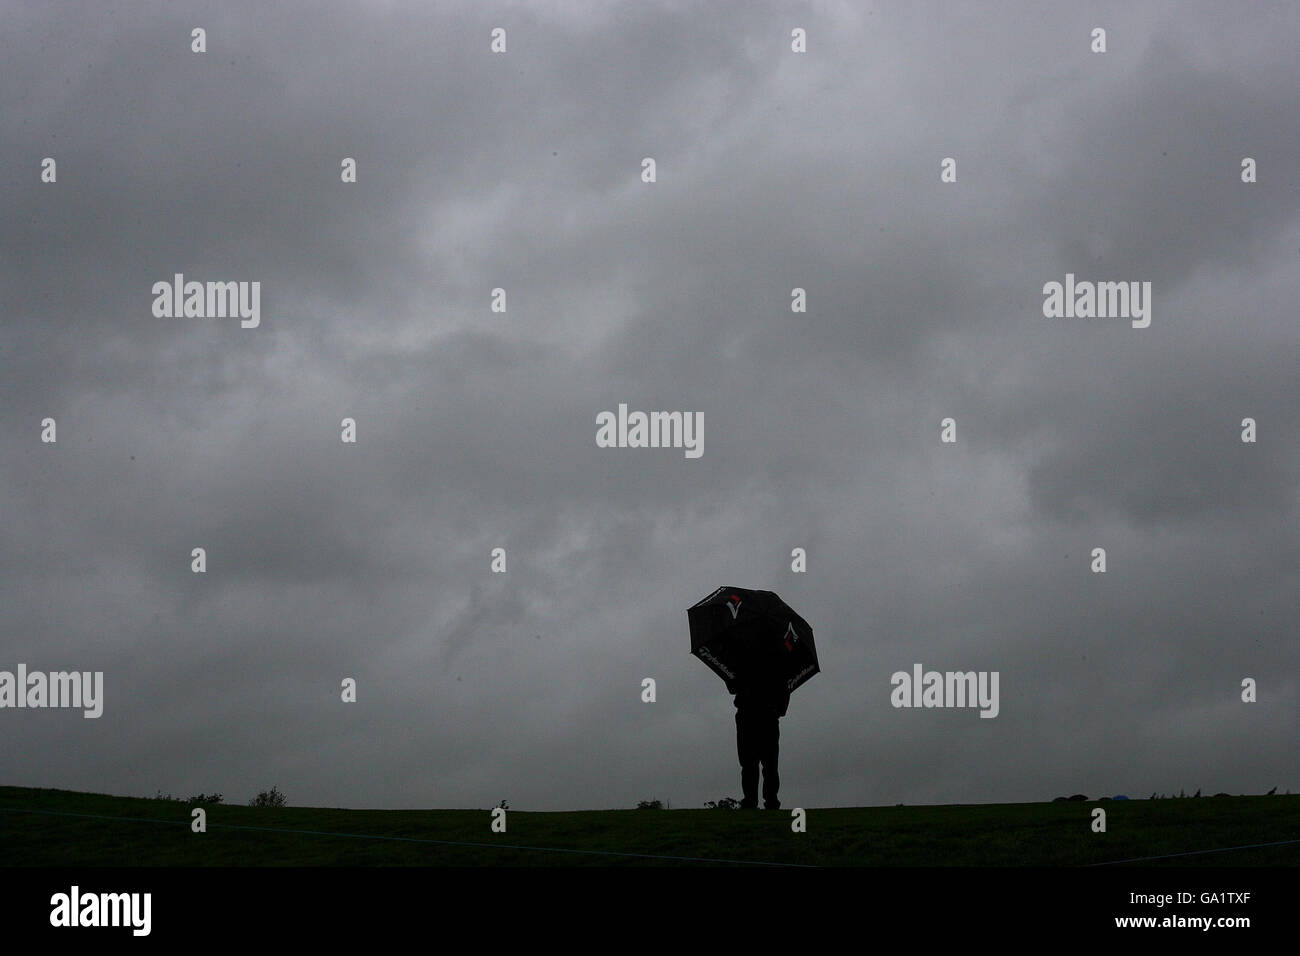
774 805
748 806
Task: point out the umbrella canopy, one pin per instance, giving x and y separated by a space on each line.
743 634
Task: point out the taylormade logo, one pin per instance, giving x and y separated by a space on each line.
55 689
211 300
798 677
706 655
950 689
1101 300
656 430
103 909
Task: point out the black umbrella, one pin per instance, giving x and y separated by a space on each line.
743 633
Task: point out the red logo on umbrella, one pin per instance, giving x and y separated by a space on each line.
791 638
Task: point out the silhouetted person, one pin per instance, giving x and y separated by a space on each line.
761 702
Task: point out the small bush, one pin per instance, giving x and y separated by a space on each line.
268 798
650 805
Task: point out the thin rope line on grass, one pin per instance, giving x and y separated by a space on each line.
377 836
1168 856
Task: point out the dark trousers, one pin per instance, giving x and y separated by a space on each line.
757 737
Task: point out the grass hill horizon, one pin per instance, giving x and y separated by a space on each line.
49 827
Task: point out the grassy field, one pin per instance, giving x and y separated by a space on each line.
84 829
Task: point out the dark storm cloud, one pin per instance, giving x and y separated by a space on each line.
476 430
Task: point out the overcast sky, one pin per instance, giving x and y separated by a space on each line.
476 429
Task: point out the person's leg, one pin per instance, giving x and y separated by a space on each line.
750 754
771 740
